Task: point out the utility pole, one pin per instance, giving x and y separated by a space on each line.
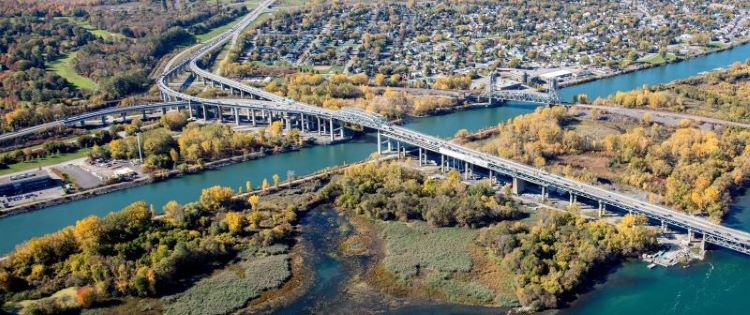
140 153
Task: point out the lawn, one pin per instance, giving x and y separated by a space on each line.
95 31
656 59
218 30
41 162
64 68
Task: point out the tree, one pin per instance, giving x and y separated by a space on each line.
276 180
216 198
253 201
235 221
265 185
248 186
86 296
174 120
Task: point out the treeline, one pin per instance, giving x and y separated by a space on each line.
132 253
393 192
196 144
550 259
723 94
686 168
55 148
340 91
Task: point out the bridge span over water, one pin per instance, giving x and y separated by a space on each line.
446 154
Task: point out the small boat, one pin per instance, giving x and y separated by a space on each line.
651 266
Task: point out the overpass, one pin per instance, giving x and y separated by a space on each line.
526 96
445 153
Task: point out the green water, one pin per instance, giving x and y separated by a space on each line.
713 286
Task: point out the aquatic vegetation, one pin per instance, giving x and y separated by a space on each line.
416 247
232 287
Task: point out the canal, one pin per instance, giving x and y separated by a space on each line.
712 286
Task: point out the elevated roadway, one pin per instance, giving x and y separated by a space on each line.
522 174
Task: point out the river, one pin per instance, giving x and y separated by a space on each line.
708 287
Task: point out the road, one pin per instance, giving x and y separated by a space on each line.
638 114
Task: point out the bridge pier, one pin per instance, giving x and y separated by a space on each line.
163 110
236 116
663 226
442 163
389 145
573 198
251 112
190 108
319 130
380 144
83 123
601 209
690 235
544 193
203 107
519 185
104 120
124 116
331 128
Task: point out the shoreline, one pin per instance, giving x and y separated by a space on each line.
649 66
148 179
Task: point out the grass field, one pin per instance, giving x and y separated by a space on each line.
216 31
656 59
95 31
37 163
64 68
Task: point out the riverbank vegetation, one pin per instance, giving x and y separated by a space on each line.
722 94
685 168
392 192
538 262
132 253
198 143
340 91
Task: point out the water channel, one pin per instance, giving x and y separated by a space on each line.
713 286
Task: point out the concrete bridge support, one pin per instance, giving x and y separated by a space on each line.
601 209
236 115
205 117
124 116
573 198
331 128
251 112
519 185
380 144
104 120
143 114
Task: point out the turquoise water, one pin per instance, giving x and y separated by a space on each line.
656 75
716 285
18 228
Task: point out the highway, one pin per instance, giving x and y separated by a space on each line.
713 233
